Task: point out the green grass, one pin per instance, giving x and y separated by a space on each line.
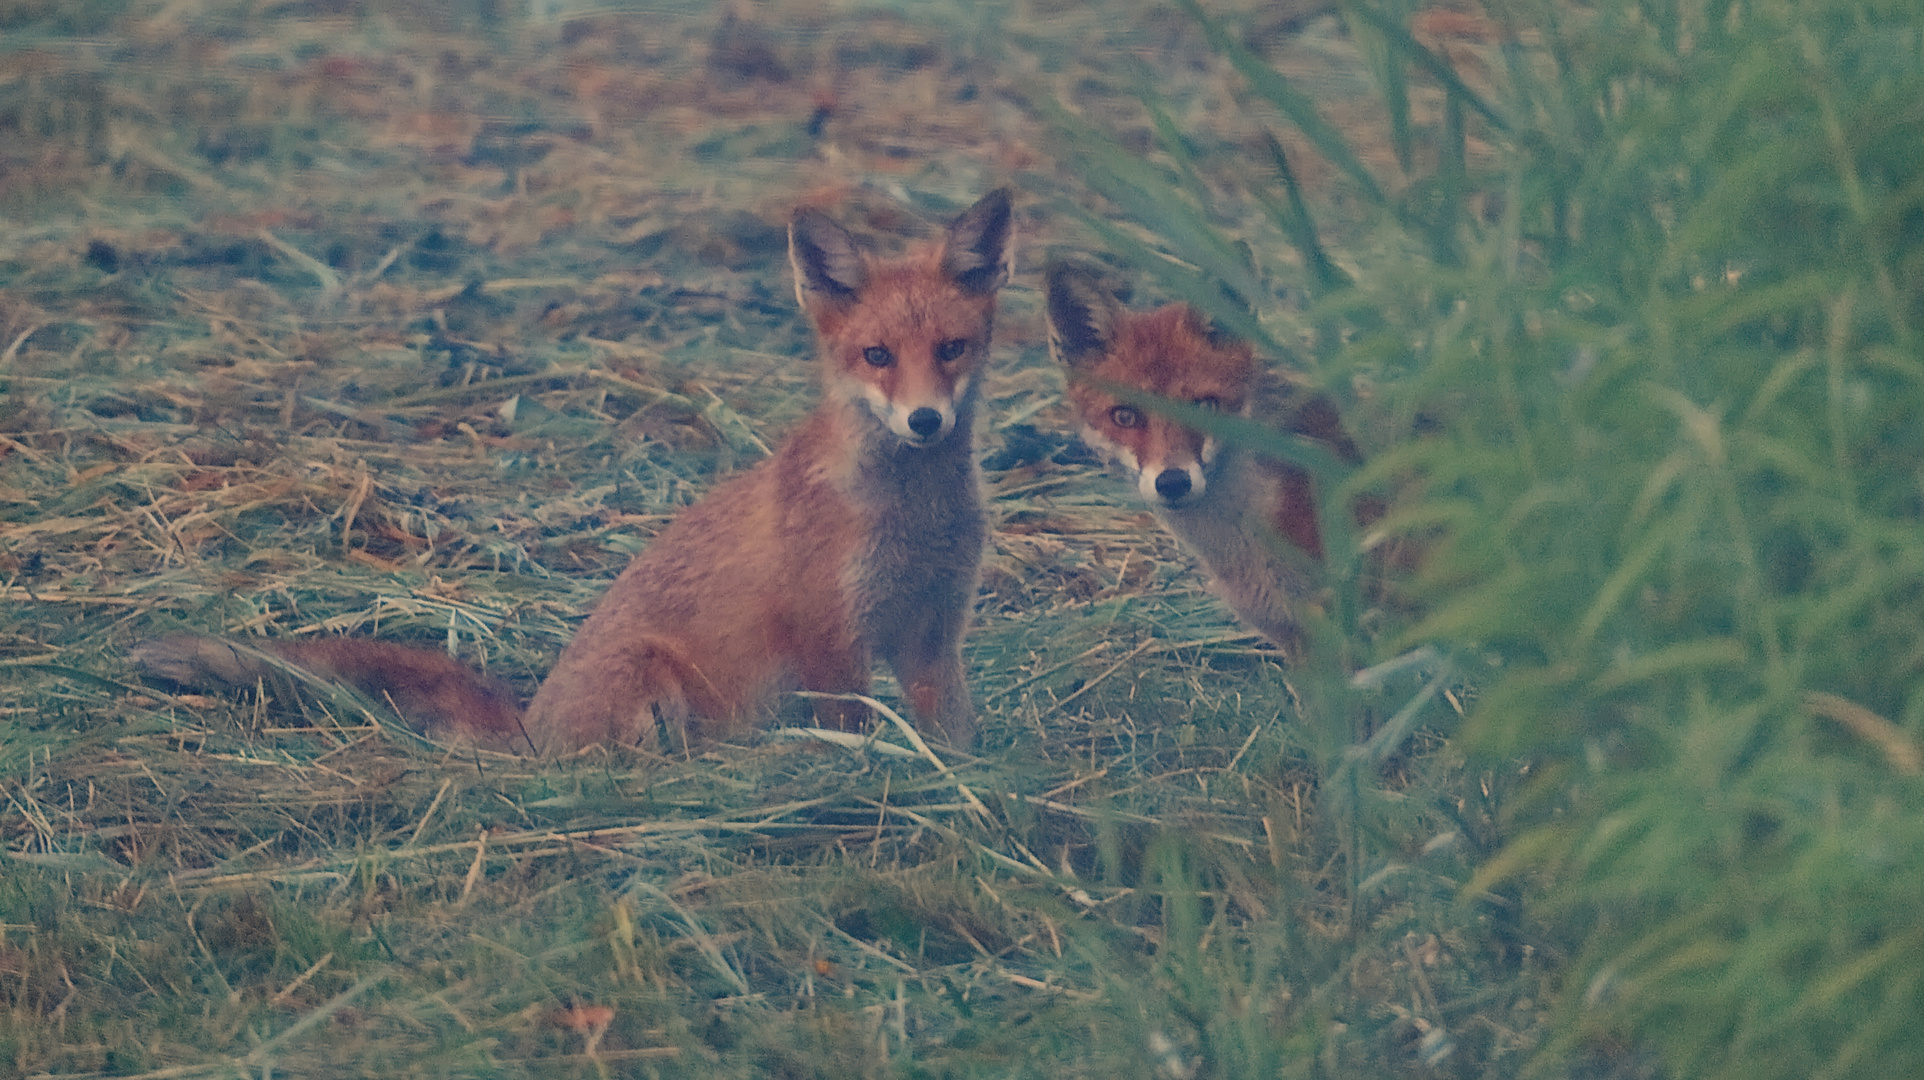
319 319
1652 291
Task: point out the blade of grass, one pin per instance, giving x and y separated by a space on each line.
1169 136
1144 194
1438 68
1270 84
1452 183
1181 282
1392 82
1295 221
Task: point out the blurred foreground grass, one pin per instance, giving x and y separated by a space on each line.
328 318
1645 278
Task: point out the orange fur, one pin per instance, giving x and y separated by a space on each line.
1225 504
416 682
860 537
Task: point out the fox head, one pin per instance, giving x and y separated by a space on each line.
1172 352
906 338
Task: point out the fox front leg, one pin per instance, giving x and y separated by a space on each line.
929 667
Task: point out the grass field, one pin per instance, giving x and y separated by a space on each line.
418 321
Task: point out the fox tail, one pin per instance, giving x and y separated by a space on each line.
433 691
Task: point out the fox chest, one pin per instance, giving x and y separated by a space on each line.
1232 531
924 549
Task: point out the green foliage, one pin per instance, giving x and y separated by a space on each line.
1710 518
1663 331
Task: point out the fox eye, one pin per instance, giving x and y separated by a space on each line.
951 350
878 356
1210 403
1125 416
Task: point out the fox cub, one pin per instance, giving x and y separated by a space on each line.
1225 504
861 536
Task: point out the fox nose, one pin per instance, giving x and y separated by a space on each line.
925 422
1172 484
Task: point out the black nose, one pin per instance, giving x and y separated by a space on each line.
925 422
1172 484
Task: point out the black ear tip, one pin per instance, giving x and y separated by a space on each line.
1067 275
827 259
807 220
991 210
1215 332
1081 314
996 198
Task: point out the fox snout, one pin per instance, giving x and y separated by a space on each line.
927 423
1176 485
919 416
918 425
1169 484
1172 462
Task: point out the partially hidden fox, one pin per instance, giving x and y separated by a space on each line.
861 536
1227 505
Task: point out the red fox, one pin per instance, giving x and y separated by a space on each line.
1225 504
861 536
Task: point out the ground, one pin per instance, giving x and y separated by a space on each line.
319 318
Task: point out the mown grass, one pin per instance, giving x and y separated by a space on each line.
329 319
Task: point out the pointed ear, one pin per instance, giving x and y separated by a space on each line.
979 251
826 259
1082 314
1215 333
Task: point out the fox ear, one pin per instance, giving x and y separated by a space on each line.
826 259
1214 331
979 252
1082 314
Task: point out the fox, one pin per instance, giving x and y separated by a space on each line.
1226 505
860 537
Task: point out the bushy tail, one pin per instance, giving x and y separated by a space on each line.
442 696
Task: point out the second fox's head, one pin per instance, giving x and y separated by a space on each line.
1171 352
907 338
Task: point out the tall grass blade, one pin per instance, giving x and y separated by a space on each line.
1143 192
1297 224
1452 186
1172 141
1389 67
1273 87
1184 282
1435 66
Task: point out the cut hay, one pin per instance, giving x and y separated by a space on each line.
317 321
